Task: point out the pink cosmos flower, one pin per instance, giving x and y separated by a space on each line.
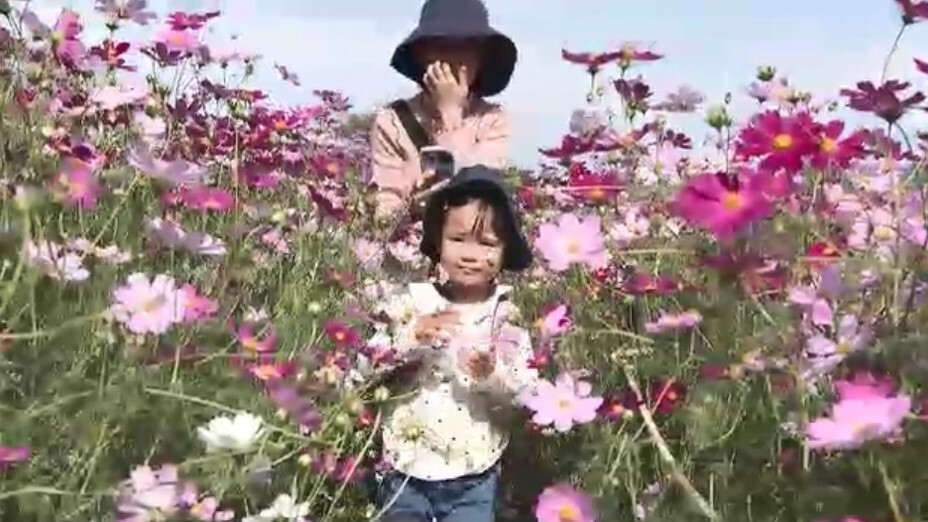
76 184
149 495
572 240
174 40
670 322
864 385
172 235
724 204
196 306
65 35
56 262
856 421
816 300
177 172
110 97
563 403
555 321
207 198
134 10
632 225
252 342
563 503
824 354
207 510
148 306
369 254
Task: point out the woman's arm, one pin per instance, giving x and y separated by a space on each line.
394 165
483 139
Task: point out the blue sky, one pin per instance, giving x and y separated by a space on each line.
713 45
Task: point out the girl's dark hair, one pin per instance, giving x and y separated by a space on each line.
505 224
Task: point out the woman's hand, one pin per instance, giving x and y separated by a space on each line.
430 327
449 93
426 179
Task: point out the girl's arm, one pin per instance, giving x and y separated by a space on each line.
512 373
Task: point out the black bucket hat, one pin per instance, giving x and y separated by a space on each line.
461 19
483 181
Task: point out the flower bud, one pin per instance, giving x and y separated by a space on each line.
766 73
717 117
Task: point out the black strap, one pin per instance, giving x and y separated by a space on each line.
414 129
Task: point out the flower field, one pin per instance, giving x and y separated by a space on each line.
729 329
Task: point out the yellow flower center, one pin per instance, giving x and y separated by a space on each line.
564 404
731 200
340 336
153 304
782 141
176 38
75 189
828 145
568 513
883 232
266 372
573 247
412 432
251 344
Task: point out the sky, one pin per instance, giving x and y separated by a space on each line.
714 46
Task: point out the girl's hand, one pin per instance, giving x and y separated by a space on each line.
430 327
481 365
449 93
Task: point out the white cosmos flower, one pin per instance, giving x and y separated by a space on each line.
283 508
237 433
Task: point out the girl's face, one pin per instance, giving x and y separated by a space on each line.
471 250
455 53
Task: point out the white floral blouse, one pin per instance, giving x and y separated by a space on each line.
453 424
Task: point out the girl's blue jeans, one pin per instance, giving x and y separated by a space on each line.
471 498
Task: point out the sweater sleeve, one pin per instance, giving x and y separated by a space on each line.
482 140
394 164
512 374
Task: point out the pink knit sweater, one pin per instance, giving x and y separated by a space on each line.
482 139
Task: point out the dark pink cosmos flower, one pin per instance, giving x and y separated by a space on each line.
724 204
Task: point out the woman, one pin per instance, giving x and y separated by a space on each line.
458 60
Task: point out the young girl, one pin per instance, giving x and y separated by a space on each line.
445 438
457 59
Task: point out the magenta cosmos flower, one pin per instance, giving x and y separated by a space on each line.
13 455
572 240
723 204
856 421
555 321
564 403
563 503
149 306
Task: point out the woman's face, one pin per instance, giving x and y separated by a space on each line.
455 53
